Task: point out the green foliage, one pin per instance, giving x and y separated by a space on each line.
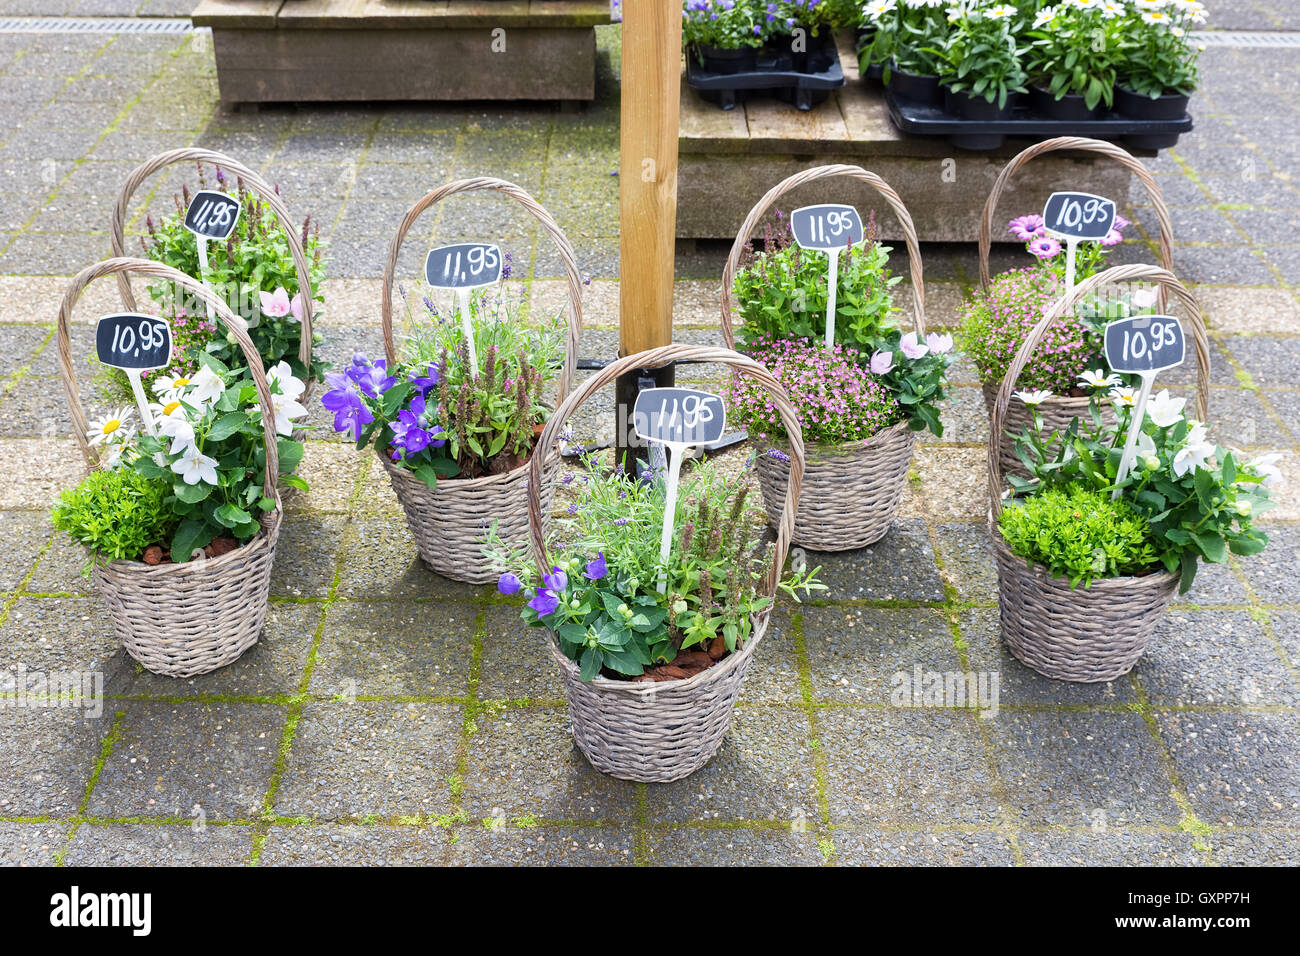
782 292
602 600
1074 52
1198 499
255 259
1078 533
1155 51
981 57
116 514
904 35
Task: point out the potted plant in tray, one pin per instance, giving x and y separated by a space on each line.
906 34
653 651
1088 561
723 35
1157 63
1072 59
859 403
455 439
980 66
995 323
181 524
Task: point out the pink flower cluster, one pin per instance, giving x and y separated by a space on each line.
996 324
1032 231
837 399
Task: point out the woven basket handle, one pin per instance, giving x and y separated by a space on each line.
258 185
1168 283
808 176
123 266
655 358
1117 153
573 275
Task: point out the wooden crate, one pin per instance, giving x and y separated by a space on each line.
729 158
346 50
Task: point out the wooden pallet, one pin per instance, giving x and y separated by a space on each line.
346 50
729 158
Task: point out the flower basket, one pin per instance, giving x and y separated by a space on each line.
658 732
850 492
257 185
1059 410
1084 634
450 523
181 620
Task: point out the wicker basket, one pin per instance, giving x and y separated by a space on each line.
449 523
1059 410
1095 633
657 732
257 185
851 492
180 620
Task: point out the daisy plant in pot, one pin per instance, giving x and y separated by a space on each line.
1090 553
980 64
1156 57
1072 58
861 401
905 35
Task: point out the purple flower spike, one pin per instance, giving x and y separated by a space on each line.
596 568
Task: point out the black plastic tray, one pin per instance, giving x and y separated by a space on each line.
989 134
804 90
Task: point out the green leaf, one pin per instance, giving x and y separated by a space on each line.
591 661
191 494
231 516
427 474
227 425
189 537
446 468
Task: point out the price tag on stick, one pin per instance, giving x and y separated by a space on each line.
462 268
212 215
135 343
677 418
828 228
1075 218
1142 345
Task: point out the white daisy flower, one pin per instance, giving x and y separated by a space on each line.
1034 397
1095 379
111 430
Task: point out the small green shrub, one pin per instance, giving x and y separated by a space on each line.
1078 533
116 514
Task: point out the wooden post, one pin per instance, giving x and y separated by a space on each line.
651 94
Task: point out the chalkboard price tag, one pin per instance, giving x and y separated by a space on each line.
466 265
212 215
828 226
679 416
133 342
1079 216
1145 343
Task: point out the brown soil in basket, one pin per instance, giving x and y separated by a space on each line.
157 554
685 664
502 463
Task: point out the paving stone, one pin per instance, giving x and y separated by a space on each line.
734 846
365 758
61 568
160 845
1214 584
306 556
1286 627
62 636
964 417
331 470
273 666
1080 769
26 535
763 771
172 757
1270 360
1210 657
1256 847
870 846
898 567
1238 769
382 562
509 845
31 844
1108 848
395 648
1019 684
47 756
516 663
966 555
524 762
1239 265
776 679
1271 573
330 845
906 767
856 654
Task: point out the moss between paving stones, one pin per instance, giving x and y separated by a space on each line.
332 845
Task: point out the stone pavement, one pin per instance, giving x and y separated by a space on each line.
390 716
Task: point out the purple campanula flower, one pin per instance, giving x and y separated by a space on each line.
596 568
349 408
510 584
557 580
428 380
544 602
